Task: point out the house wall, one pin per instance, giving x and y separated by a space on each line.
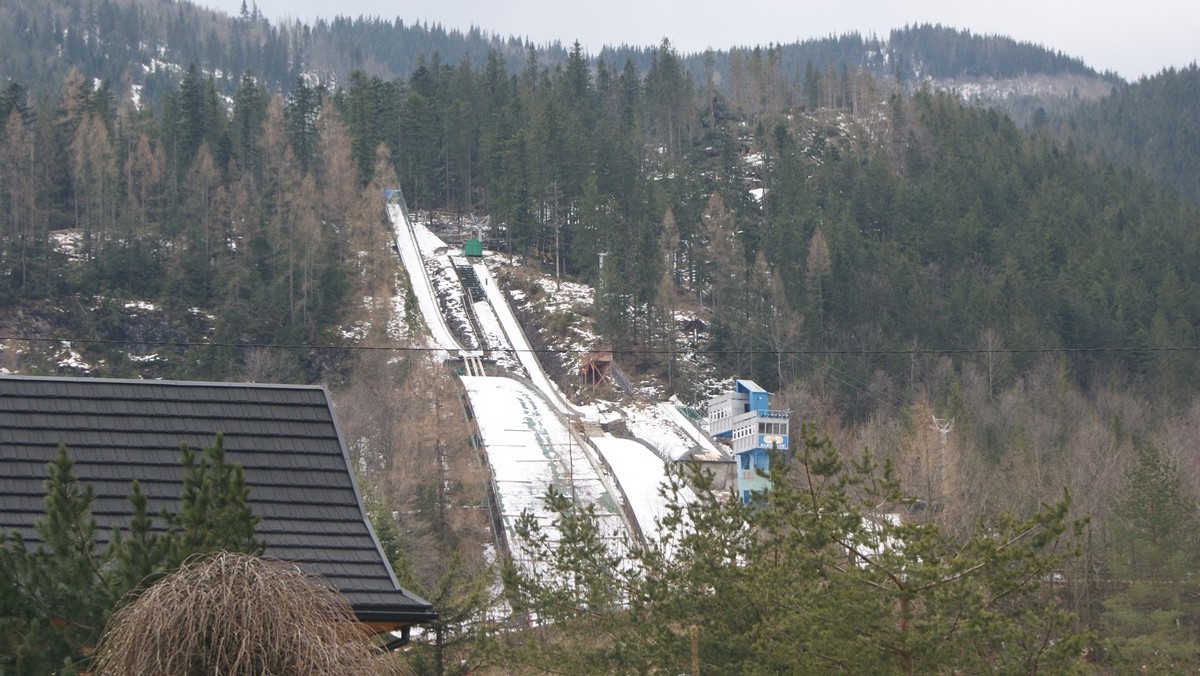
748 465
722 411
744 417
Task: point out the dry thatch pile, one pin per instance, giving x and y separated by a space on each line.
238 614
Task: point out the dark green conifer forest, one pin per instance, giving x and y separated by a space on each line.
874 251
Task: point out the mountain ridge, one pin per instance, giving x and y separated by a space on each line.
51 38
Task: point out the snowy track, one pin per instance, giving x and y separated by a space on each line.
640 474
410 255
518 341
530 451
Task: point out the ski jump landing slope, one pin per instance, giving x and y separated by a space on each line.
531 451
640 474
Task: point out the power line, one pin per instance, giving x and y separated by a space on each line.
816 352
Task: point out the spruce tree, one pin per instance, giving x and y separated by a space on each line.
213 513
1151 621
55 598
813 576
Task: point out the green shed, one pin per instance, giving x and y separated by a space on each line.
473 247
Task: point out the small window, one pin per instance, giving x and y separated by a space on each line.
745 461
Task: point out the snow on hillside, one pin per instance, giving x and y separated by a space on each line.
523 419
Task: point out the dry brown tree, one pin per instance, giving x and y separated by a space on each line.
230 613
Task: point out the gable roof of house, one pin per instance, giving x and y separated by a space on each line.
284 436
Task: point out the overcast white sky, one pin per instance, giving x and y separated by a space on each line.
1132 37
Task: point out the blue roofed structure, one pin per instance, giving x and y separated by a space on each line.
744 419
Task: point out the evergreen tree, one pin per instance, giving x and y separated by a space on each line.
213 514
669 99
56 597
1152 621
365 110
140 552
811 577
245 129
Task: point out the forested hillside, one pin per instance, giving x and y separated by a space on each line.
248 222
142 48
874 255
1152 125
922 223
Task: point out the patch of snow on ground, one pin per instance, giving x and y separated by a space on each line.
355 332
562 295
397 326
141 305
68 243
73 359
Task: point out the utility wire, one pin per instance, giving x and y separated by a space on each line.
646 351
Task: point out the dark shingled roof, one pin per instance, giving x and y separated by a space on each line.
284 436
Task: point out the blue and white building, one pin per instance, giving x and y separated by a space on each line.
744 418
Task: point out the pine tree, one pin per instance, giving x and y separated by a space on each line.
1152 621
59 594
213 513
56 597
812 577
139 553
